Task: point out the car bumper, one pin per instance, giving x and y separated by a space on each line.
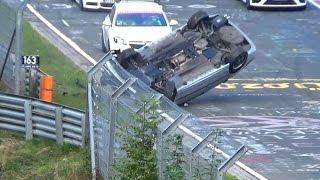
279 4
97 5
121 47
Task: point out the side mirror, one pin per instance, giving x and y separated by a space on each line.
173 22
107 21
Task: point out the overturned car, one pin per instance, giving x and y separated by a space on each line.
195 58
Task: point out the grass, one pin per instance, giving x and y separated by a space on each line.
69 80
40 159
230 177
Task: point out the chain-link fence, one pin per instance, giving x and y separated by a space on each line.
114 96
10 41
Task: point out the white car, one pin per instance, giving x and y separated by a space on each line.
134 24
95 4
295 4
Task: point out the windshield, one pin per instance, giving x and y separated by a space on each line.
140 19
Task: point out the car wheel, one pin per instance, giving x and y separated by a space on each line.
105 47
238 59
196 18
303 8
249 7
170 90
125 56
81 6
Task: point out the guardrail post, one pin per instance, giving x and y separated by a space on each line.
83 130
59 133
27 118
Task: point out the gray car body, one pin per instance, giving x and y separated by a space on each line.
199 83
212 78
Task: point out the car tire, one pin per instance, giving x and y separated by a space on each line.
81 6
249 7
170 90
196 18
124 57
105 47
238 59
302 8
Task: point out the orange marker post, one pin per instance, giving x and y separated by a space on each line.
46 88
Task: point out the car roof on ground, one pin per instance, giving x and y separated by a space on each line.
138 6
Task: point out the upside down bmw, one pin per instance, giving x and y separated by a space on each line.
205 52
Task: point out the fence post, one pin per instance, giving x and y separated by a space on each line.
59 130
179 120
83 130
232 160
28 121
19 18
199 147
91 131
113 117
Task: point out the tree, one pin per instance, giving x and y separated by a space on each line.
174 169
210 172
139 139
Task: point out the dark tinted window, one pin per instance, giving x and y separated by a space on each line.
140 19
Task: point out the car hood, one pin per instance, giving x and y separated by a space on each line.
140 34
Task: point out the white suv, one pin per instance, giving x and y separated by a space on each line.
133 24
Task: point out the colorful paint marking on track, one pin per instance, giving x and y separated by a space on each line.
279 146
271 84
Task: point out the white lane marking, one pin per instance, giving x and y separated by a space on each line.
303 19
315 3
174 6
65 23
80 51
46 6
61 6
61 35
201 6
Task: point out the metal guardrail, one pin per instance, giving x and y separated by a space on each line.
38 118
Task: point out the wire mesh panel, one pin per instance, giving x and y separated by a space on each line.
10 39
183 145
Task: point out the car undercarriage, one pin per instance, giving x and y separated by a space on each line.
205 52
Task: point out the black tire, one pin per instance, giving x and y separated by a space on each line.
104 47
238 59
196 18
170 90
303 8
125 56
249 7
81 6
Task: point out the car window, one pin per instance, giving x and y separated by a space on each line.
140 19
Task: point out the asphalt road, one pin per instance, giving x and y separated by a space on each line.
273 106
